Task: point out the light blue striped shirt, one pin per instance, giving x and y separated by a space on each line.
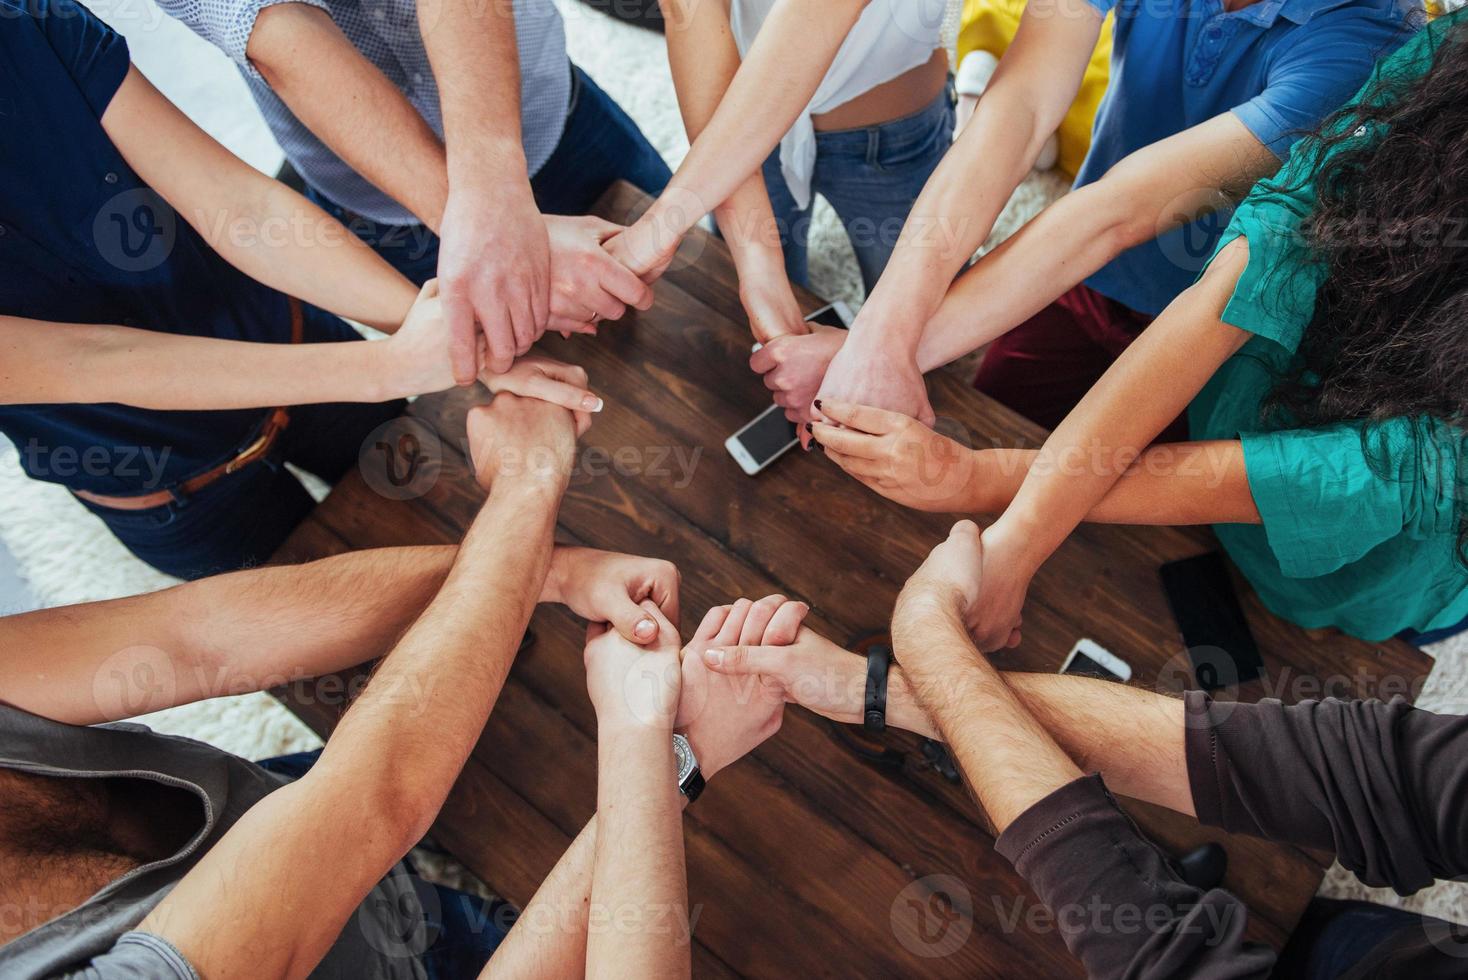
388 35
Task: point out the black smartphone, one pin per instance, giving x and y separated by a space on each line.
1211 620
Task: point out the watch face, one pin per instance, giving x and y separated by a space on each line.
683 754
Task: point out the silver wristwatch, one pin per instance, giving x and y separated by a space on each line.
690 777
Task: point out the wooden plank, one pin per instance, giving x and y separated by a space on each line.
785 845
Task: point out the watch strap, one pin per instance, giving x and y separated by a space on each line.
693 785
879 663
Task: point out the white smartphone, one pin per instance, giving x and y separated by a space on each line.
771 435
1090 659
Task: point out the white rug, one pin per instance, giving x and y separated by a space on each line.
67 556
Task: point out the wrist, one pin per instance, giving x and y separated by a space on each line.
554 589
379 373
706 751
1018 543
487 166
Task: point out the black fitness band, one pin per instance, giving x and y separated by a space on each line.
879 660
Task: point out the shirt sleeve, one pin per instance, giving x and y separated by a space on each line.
1115 898
1326 63
227 24
94 54
136 956
1383 784
1328 496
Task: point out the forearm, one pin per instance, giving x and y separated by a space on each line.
476 60
1058 249
246 631
639 880
407 736
1150 192
955 213
1148 386
1171 485
1010 761
286 242
736 115
50 363
351 106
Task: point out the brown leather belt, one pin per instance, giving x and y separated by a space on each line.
258 449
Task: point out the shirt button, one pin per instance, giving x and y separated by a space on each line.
111 178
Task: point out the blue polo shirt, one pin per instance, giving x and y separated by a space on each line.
1280 66
84 240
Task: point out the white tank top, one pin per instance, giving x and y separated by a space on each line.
890 38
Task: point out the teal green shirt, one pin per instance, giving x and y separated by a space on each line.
1369 549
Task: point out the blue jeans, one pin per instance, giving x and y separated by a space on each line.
241 519
600 144
1335 936
871 177
465 929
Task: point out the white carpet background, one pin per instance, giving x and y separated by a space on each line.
67 556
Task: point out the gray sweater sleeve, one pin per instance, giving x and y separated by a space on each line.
1382 784
136 956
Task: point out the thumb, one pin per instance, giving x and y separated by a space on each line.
631 620
739 660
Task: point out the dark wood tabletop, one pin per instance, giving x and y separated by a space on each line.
824 853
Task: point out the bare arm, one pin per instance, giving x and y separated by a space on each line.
1150 192
705 59
260 226
392 760
1029 95
1090 450
246 631
738 115
352 107
1170 484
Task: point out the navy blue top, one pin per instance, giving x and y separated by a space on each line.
1279 66
84 240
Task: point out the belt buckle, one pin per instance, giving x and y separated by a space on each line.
249 454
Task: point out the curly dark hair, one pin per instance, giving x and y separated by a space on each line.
1389 236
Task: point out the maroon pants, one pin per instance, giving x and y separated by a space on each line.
1043 367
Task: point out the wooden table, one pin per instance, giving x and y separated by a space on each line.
812 857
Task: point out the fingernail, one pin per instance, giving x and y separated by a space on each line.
714 658
818 404
645 627
810 428
591 403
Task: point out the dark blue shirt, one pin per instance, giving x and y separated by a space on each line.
1279 66
84 240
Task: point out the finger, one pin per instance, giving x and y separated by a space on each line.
570 396
744 659
605 305
785 625
631 620
927 416
666 584
759 617
583 422
565 325
593 630
876 421
621 282
1013 641
713 621
848 442
728 634
766 358
864 470
667 632
463 341
522 321
601 227
500 340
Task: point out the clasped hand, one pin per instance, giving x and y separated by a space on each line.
659 685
